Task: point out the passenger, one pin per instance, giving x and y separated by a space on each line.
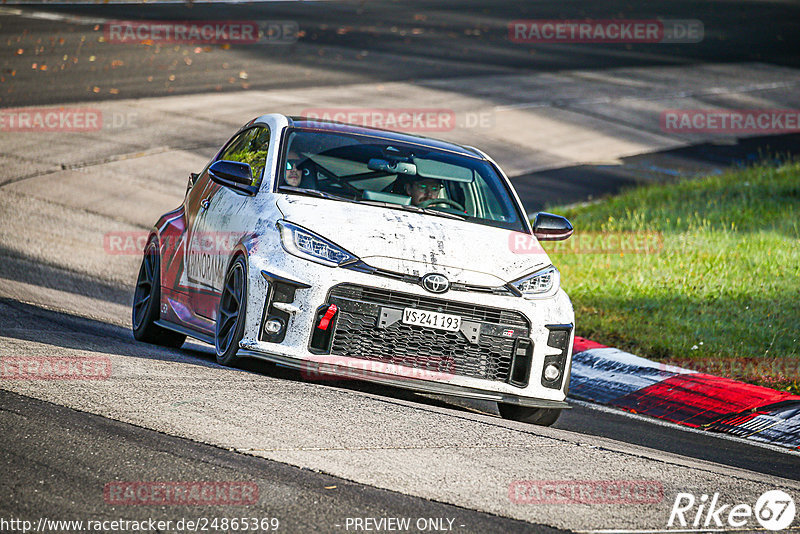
294 175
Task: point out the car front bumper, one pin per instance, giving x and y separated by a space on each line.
473 369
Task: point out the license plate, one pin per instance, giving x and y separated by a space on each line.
439 321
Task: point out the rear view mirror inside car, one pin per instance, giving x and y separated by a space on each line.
438 170
394 167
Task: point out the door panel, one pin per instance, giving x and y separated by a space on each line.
221 222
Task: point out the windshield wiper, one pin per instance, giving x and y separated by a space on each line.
443 213
314 193
416 209
333 196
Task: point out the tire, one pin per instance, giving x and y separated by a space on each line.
231 313
524 414
146 298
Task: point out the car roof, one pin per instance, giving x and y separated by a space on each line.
341 127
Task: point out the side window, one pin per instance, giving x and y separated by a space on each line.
235 146
252 147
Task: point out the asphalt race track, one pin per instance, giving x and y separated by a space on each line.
568 122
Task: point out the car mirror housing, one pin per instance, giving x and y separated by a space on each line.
394 167
234 175
549 227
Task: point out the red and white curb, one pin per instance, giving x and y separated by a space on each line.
611 377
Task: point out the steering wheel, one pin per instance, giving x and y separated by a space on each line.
451 203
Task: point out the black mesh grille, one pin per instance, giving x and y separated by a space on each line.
357 335
472 312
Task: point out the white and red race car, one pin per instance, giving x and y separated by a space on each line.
351 251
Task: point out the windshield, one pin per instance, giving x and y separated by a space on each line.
396 175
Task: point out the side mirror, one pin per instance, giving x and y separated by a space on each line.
549 227
233 174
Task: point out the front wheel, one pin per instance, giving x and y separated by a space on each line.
524 414
231 313
146 299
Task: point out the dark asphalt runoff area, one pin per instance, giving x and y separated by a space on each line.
55 460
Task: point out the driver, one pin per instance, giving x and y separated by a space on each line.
422 189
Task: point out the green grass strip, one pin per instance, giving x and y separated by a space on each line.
704 273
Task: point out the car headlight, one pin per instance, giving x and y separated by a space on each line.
543 283
310 246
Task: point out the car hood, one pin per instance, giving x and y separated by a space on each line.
413 243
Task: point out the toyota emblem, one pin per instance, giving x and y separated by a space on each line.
435 283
